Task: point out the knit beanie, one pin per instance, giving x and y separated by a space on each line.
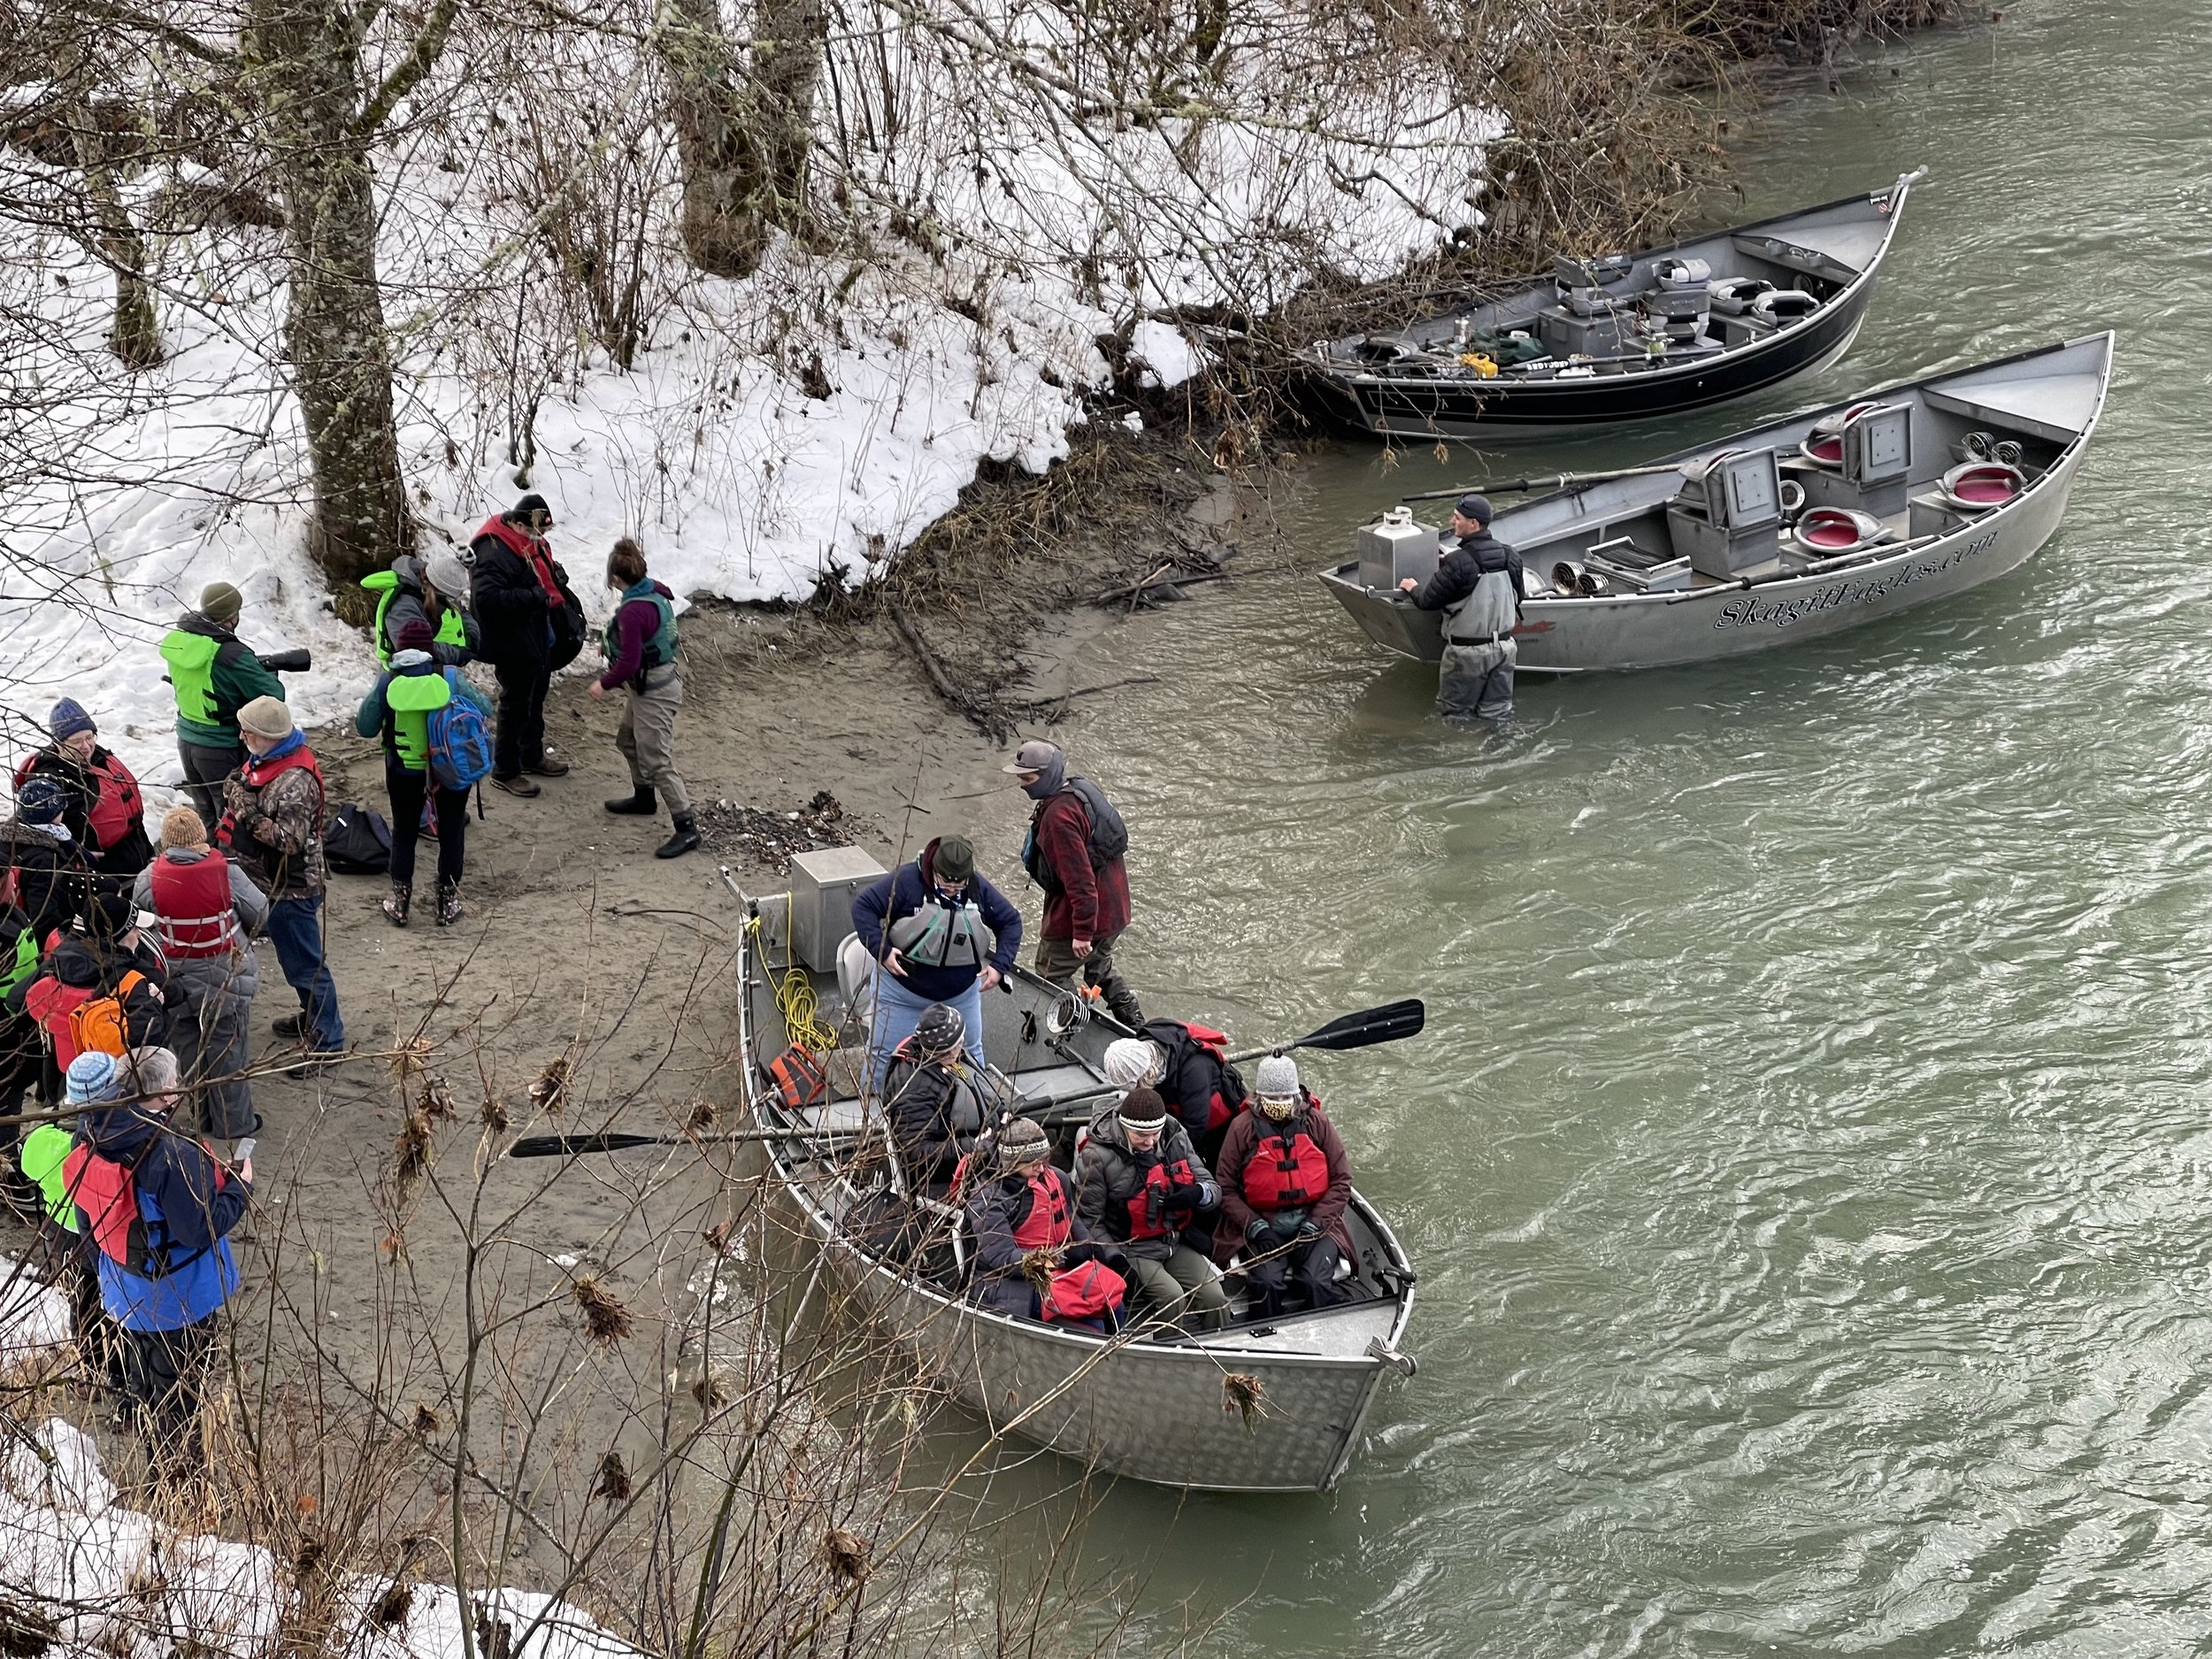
1143 1111
1276 1084
267 717
449 574
220 602
1133 1060
68 720
182 827
955 858
940 1030
93 1076
41 801
414 635
1020 1144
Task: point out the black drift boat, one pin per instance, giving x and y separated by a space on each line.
1624 337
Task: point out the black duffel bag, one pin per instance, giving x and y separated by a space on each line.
358 842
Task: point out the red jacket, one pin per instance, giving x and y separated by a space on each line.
1090 904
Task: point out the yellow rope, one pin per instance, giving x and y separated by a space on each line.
795 1001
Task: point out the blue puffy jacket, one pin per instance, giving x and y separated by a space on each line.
186 1215
900 895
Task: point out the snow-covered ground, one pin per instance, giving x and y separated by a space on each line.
993 227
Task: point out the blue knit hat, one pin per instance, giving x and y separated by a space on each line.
93 1076
41 801
68 720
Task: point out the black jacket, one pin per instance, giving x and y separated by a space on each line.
53 883
1475 556
511 613
935 1117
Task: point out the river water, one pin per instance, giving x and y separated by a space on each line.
1808 1157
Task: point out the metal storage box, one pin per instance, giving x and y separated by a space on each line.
1394 547
824 883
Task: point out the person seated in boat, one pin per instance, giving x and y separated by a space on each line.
1140 1183
925 924
1478 588
1285 1184
1034 1258
930 1102
1189 1065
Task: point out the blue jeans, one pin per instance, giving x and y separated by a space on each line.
898 1010
295 928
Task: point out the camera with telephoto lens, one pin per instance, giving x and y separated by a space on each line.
286 662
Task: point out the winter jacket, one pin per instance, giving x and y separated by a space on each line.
53 883
187 1207
900 895
237 679
1110 1173
1192 1077
1090 902
238 974
377 717
276 826
1242 1144
1475 556
996 1207
409 604
935 1116
514 583
105 811
75 973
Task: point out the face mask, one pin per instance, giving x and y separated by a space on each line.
1279 1110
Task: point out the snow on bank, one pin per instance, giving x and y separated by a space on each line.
800 426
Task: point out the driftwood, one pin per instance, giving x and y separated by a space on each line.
1166 576
1044 705
990 722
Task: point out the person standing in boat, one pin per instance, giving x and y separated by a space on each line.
1075 852
1140 1183
1478 588
930 1102
1189 1065
925 924
1285 1184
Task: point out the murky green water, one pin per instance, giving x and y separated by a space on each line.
1809 1157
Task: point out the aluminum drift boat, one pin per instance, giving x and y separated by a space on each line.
1807 526
1626 337
1169 1412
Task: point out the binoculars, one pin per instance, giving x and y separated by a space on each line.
286 662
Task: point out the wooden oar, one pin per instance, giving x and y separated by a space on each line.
1389 1023
1554 480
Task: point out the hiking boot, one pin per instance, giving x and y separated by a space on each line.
640 804
547 767
395 907
290 1025
516 785
449 910
683 841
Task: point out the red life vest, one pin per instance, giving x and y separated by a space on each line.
1046 1227
1082 1293
194 915
119 806
531 551
107 1192
1159 1178
1287 1169
1220 1105
258 773
52 1003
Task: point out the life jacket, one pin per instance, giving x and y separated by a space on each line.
660 650
101 1023
191 659
1228 1096
18 949
1287 1169
797 1078
118 804
1084 1294
1158 1178
1489 612
1109 837
194 915
1047 1224
106 1190
940 934
257 774
965 1116
452 628
408 700
44 1160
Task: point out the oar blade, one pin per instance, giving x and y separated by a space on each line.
1390 1023
566 1145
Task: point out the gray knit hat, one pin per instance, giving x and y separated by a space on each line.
1132 1060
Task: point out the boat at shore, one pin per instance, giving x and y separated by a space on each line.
1801 527
1262 1406
1626 337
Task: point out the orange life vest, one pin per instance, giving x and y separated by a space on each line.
1048 1222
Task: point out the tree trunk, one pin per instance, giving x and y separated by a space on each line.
743 132
306 54
136 335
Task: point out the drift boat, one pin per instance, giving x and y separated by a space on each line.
1275 1406
1624 337
1803 528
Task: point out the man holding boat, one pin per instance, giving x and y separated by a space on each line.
1478 588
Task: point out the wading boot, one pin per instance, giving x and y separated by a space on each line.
449 910
396 907
640 804
683 841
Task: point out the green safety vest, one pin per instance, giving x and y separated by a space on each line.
409 698
44 1157
18 962
661 648
451 629
191 659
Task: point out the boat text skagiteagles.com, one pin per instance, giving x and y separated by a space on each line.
1779 613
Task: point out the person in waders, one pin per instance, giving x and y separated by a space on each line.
398 709
1075 852
640 647
213 674
1478 588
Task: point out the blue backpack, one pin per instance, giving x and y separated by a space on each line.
460 741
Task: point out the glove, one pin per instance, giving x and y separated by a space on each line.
1185 1196
1258 1233
1307 1230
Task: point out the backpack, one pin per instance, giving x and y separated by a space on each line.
459 741
358 842
1109 838
100 1024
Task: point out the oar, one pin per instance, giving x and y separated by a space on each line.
1390 1023
1556 481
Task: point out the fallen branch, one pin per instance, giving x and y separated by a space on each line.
990 724
1166 576
1033 704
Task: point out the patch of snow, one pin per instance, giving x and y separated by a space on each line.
1170 358
33 1320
